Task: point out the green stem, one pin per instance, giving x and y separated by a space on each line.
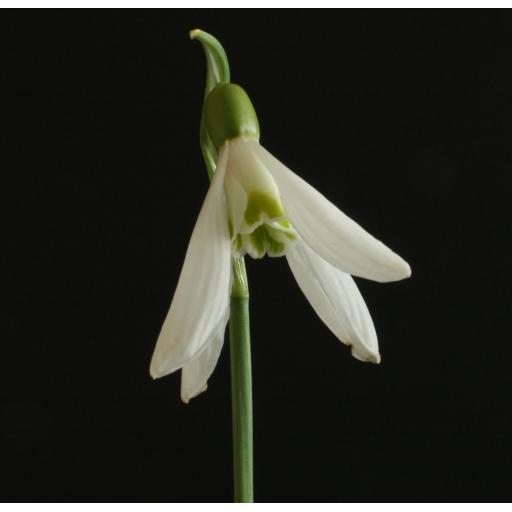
241 399
241 385
217 71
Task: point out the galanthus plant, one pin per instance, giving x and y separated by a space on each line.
256 206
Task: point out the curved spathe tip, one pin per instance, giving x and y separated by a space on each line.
194 33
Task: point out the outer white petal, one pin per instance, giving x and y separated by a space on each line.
337 301
329 232
195 374
201 298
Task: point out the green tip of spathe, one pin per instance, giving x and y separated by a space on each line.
194 33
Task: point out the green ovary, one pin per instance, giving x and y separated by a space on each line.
261 206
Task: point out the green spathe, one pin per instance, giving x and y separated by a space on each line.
229 113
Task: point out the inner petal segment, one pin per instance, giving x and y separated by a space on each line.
271 238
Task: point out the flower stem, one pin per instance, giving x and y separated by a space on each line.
241 385
217 71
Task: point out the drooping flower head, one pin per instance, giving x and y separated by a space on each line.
256 206
256 216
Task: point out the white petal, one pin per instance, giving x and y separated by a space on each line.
337 301
195 374
201 298
329 232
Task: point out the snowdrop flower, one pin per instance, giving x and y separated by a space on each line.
257 206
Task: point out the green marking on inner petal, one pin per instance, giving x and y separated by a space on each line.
258 239
259 203
271 238
274 247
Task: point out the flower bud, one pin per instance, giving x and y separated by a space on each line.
229 114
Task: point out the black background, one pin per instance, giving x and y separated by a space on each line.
402 118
